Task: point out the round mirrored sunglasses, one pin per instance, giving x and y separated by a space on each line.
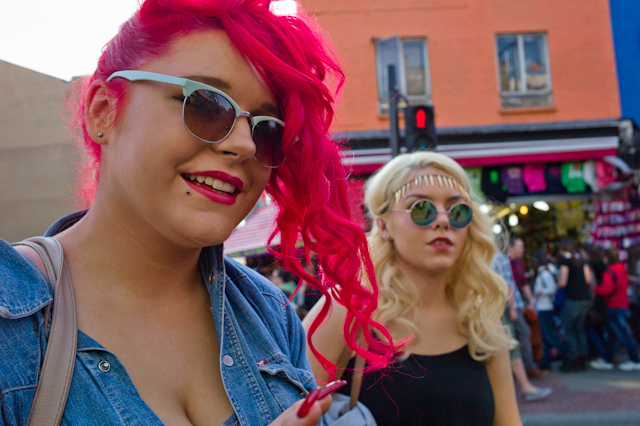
424 213
210 115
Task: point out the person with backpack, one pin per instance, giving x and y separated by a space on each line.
544 290
615 282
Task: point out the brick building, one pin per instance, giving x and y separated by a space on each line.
455 45
511 84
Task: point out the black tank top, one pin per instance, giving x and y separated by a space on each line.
450 390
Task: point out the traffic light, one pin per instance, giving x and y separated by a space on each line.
421 129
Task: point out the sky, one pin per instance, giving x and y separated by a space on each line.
61 38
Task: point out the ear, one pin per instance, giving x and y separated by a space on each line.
99 112
382 227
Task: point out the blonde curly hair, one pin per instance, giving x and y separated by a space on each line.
476 291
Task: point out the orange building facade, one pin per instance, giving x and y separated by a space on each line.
461 58
522 92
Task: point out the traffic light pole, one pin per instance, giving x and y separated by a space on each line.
393 112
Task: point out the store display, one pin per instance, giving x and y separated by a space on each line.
572 177
475 178
512 178
492 185
553 175
617 222
606 173
589 175
534 177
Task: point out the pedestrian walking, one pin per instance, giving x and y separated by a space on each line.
575 276
524 302
615 282
500 265
544 290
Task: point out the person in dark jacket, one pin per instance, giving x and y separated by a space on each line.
575 276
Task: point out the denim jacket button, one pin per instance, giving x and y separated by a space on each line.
212 277
104 366
228 361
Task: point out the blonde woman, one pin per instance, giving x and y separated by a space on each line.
431 248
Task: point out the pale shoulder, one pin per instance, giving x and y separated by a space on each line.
33 256
334 320
328 338
504 393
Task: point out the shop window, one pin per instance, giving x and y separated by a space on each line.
411 62
523 71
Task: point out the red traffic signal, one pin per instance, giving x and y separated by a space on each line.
420 128
421 119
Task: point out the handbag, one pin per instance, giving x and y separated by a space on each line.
531 317
597 312
59 359
347 410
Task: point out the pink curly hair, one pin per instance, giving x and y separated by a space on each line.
310 188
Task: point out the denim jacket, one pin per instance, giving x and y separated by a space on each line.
262 347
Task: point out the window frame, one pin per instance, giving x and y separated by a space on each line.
524 91
383 107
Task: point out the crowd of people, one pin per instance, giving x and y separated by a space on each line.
578 305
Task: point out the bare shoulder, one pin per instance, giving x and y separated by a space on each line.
328 338
32 255
504 394
335 318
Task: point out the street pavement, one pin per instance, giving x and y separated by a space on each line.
591 398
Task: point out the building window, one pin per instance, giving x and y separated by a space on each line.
523 68
411 63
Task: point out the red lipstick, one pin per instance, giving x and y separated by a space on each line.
225 177
210 193
441 243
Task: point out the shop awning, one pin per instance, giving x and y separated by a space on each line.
554 150
252 238
496 153
497 144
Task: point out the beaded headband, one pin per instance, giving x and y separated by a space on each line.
432 180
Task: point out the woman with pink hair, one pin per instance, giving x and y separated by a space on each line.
196 107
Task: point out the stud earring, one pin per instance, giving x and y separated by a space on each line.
100 134
386 237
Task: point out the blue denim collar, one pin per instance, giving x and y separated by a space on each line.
25 290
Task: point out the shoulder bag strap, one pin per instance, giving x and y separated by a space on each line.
57 368
356 384
614 279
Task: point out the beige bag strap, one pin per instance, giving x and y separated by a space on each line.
57 368
356 376
356 384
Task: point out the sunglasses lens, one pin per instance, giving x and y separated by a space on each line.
423 213
460 216
267 136
208 115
